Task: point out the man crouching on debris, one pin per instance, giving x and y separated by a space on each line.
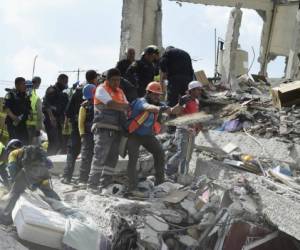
28 168
142 126
110 105
185 135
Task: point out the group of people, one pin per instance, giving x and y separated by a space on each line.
93 116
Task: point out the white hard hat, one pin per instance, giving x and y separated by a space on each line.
195 84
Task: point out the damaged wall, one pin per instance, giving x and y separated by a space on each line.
141 24
231 45
294 60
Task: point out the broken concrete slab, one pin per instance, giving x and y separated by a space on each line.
8 241
272 147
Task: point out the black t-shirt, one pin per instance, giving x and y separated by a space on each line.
72 109
56 101
140 73
18 103
176 62
123 65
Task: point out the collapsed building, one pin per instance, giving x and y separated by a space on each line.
242 190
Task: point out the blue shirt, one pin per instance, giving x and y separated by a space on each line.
138 106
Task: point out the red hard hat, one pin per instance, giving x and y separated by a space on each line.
154 87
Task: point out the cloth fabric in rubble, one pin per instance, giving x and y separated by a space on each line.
124 236
80 236
231 126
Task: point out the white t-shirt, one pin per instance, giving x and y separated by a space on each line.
103 96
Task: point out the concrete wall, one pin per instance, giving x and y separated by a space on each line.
141 24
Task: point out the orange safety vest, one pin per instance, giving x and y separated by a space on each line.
117 95
138 121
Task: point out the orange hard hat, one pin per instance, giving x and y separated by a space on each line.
154 87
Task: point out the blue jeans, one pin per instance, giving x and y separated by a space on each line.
185 142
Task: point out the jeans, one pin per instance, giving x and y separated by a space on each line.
74 145
87 148
185 143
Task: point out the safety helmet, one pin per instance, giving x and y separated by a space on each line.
88 91
195 84
14 144
154 87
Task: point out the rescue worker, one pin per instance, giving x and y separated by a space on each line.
156 62
185 135
28 167
35 119
3 173
72 112
85 122
67 127
176 67
124 64
17 108
128 88
110 105
54 104
142 71
142 126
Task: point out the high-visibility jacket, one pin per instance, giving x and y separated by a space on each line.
33 117
2 149
136 122
105 117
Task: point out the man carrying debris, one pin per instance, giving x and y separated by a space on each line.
110 105
85 122
142 126
28 167
185 135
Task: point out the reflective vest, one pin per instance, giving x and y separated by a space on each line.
32 119
136 122
2 149
109 118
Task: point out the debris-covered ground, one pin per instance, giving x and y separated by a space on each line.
242 190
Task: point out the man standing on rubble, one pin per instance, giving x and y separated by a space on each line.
54 104
110 105
176 67
142 71
35 119
185 135
124 64
72 113
17 108
142 126
85 122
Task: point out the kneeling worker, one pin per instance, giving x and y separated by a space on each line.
142 126
28 168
